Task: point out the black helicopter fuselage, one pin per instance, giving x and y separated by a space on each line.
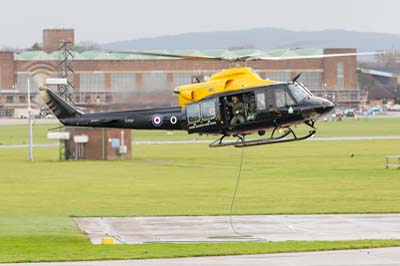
261 108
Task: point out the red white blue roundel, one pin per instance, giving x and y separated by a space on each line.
157 120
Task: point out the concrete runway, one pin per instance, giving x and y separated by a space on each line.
365 257
195 229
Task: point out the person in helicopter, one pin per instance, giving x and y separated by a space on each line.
237 110
251 108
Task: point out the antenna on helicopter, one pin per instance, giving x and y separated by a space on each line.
296 77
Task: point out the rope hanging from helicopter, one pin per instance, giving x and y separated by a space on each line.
235 193
239 235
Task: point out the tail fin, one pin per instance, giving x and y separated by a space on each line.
60 108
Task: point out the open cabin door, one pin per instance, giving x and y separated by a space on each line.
238 110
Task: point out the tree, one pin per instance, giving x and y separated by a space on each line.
35 47
86 46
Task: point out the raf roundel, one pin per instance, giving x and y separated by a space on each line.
173 120
157 120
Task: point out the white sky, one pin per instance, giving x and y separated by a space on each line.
22 21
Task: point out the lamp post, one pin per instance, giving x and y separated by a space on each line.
30 119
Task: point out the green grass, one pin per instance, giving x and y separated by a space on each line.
38 198
18 134
361 127
34 249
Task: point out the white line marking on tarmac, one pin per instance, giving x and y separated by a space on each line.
296 228
150 142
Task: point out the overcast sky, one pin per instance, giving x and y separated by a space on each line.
22 21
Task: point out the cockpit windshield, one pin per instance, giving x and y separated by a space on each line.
299 92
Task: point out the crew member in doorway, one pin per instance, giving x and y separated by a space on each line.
238 111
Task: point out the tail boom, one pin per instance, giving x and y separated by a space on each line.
168 118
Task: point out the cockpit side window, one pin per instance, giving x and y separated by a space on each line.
282 98
298 92
193 113
289 99
208 110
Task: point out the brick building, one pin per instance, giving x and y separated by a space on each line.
140 81
52 38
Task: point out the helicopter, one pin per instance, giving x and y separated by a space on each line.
233 102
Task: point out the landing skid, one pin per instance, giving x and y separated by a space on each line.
219 142
286 135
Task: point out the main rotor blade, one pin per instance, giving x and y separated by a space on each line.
245 58
187 57
255 58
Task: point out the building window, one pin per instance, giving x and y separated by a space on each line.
87 99
108 98
340 75
22 81
182 78
7 112
36 81
278 76
155 81
312 80
77 98
22 99
92 82
123 82
259 73
10 99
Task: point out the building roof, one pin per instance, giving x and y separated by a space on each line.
101 55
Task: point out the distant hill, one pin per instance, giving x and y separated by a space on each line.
263 38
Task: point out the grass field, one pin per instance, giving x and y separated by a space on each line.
18 134
38 198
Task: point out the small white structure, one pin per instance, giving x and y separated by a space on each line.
58 135
56 81
395 157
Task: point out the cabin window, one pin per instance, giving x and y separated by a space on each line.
208 110
260 99
193 113
280 98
